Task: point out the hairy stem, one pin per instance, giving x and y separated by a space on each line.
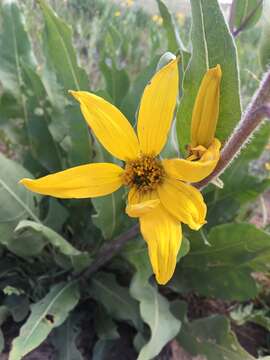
108 251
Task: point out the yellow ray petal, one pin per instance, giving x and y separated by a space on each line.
109 125
206 109
83 181
184 202
163 236
193 171
141 203
157 108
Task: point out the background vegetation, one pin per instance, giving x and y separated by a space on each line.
217 304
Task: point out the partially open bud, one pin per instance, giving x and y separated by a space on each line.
206 109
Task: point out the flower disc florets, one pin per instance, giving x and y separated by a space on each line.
145 173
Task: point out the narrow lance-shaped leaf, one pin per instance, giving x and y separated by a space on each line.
212 44
48 313
110 217
14 47
154 308
115 298
43 147
64 339
63 69
175 43
50 235
19 203
245 14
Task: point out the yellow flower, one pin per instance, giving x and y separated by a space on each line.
159 193
157 19
181 18
117 13
267 166
128 3
205 116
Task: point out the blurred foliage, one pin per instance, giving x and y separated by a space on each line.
49 47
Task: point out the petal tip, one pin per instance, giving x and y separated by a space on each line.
74 94
25 182
217 71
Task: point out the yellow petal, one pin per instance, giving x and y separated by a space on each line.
83 181
109 125
193 171
141 203
157 109
163 236
184 202
206 109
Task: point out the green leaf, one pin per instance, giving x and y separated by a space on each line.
241 186
64 340
154 308
246 13
115 298
105 327
50 235
211 337
212 44
117 80
56 216
264 49
19 202
131 101
224 269
14 47
61 61
247 313
57 40
43 147
18 305
175 43
110 215
48 313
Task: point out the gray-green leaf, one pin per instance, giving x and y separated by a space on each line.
46 314
212 44
224 269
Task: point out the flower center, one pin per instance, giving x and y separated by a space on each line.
145 173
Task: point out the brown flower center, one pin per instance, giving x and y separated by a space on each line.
145 173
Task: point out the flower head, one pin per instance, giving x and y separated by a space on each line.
159 191
157 19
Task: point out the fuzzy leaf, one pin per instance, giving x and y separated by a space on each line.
19 203
212 44
210 337
154 308
224 269
62 62
48 313
246 13
115 298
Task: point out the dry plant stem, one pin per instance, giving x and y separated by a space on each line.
108 251
252 118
